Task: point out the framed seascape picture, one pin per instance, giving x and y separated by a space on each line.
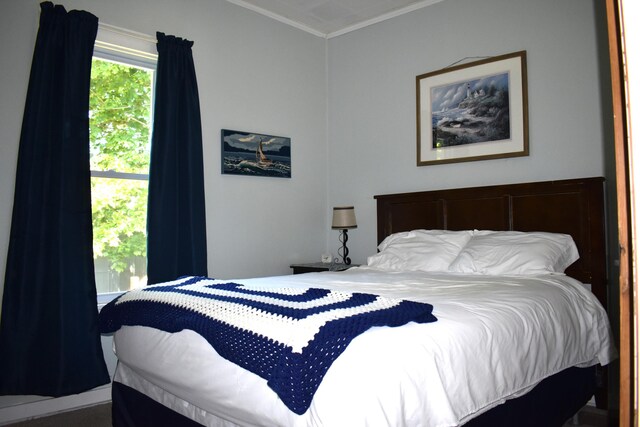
473 111
254 154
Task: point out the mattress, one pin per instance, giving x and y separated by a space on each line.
496 337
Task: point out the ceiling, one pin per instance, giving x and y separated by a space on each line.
330 18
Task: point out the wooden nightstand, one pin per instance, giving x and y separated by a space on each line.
315 267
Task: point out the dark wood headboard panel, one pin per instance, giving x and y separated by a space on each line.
574 207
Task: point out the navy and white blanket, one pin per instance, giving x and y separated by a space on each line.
288 336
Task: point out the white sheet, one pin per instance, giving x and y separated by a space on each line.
495 338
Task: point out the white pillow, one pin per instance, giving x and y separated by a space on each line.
419 250
514 252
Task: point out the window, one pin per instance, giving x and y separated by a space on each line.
120 123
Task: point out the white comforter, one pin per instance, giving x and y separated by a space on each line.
495 338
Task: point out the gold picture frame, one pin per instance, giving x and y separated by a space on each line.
474 111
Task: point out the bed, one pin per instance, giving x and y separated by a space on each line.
440 368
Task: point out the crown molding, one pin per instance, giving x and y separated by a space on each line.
277 17
384 17
337 33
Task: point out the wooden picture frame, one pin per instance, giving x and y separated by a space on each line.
255 154
473 111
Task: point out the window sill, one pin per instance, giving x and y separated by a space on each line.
104 299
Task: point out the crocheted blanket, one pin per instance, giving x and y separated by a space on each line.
288 336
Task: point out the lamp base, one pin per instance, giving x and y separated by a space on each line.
345 251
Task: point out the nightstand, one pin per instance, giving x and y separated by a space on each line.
315 267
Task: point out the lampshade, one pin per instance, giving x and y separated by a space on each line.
344 217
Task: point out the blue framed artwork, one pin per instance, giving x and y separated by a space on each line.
255 154
474 111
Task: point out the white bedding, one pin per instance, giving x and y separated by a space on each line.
495 338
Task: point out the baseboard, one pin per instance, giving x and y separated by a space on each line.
50 406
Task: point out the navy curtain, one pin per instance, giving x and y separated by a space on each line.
176 222
49 339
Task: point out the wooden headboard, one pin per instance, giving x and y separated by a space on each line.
574 207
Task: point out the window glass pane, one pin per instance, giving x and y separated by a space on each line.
119 209
120 127
120 116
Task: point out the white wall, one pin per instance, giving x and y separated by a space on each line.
260 75
372 117
254 74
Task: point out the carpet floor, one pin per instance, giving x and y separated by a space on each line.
100 416
93 416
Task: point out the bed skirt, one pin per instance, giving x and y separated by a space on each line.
551 403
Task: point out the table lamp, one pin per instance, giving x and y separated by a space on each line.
344 218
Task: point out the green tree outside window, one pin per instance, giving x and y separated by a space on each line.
120 121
